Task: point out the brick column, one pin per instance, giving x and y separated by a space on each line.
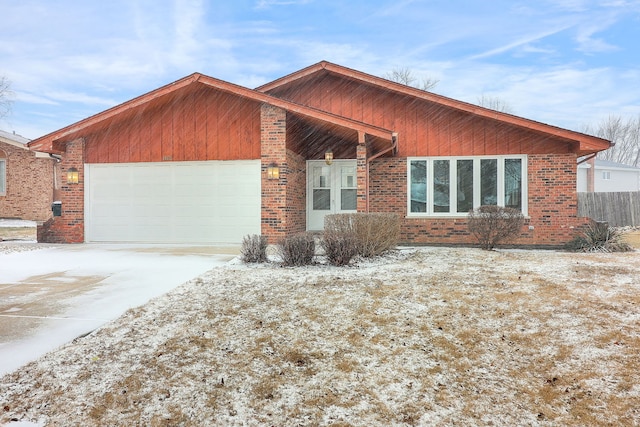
362 174
69 227
273 138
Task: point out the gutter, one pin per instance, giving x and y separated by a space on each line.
586 159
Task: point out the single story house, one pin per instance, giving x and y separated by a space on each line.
26 180
206 161
604 176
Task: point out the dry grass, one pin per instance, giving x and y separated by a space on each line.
632 238
435 336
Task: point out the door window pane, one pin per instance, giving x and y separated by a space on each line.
418 186
348 199
513 183
489 181
441 196
321 199
321 177
465 185
348 177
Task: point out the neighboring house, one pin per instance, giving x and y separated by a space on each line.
608 177
26 180
206 161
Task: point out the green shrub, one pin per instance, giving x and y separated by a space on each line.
254 248
339 248
598 237
492 225
374 233
297 249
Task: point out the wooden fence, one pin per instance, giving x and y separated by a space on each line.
618 209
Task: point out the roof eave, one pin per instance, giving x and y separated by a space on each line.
51 143
587 144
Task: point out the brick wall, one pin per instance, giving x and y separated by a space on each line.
273 136
552 199
296 175
29 184
284 199
69 227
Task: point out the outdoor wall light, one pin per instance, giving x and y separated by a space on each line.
273 171
72 176
328 157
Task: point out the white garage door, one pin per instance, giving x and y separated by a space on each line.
172 202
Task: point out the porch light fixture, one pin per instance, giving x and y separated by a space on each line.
328 156
72 176
273 171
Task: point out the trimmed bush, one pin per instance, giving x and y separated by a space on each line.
492 225
339 248
374 233
297 249
254 248
599 237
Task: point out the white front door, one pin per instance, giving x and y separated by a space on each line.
330 189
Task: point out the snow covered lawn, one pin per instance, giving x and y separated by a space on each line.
429 336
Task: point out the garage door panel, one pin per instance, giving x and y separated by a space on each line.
172 202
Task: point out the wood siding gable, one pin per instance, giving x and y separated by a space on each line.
427 123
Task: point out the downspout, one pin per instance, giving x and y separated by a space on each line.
393 149
58 159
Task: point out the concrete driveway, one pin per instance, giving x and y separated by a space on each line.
53 294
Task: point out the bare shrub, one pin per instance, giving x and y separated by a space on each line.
339 248
254 248
297 249
375 233
492 225
599 237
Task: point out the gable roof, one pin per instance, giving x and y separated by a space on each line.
53 142
587 144
13 139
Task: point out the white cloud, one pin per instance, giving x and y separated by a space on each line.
520 42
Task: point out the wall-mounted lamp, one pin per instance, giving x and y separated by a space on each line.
273 171
328 156
72 176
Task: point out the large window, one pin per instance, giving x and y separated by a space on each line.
452 186
3 174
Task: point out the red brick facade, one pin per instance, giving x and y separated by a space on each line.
29 184
69 227
302 117
552 198
283 199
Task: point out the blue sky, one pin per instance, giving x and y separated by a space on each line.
562 62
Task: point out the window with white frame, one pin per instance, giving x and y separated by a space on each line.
3 175
606 175
452 186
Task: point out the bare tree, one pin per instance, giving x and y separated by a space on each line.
406 77
495 103
625 134
6 96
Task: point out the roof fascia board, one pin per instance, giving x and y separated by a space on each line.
46 142
295 108
587 142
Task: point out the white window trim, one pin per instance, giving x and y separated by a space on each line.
476 184
3 178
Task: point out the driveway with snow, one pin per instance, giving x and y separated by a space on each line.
50 295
